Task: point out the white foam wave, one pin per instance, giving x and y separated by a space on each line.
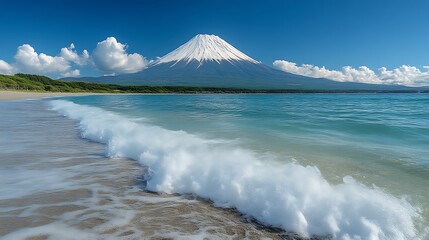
287 195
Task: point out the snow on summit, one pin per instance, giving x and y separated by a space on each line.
204 47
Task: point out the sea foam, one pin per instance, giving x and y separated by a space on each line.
287 195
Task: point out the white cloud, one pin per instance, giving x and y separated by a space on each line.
404 75
5 68
27 60
71 55
111 57
73 73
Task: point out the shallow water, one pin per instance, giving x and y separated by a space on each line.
265 140
380 139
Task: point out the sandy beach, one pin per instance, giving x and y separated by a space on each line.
12 95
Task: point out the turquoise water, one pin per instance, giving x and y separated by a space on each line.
356 134
380 140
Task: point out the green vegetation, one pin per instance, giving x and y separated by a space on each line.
28 82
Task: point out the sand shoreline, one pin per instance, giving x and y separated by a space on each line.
13 95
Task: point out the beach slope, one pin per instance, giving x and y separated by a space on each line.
12 95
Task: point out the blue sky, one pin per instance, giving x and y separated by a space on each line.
328 33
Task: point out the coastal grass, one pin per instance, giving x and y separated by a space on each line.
38 83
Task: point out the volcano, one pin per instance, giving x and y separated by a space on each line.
209 61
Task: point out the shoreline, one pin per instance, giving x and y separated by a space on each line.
15 95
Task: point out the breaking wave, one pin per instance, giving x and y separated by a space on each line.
287 195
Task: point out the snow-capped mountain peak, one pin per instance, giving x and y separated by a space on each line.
204 47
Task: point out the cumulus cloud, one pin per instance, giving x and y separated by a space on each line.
406 75
27 60
403 75
5 68
73 73
111 57
71 55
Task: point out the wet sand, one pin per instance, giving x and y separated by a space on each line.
114 204
12 95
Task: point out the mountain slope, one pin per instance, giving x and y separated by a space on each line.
209 61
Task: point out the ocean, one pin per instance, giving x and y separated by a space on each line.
218 166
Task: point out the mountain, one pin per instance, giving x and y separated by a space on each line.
209 61
205 48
